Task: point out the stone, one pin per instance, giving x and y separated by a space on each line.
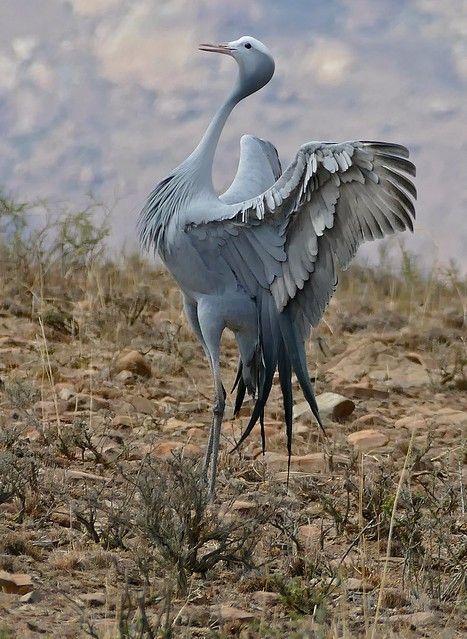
126 377
15 583
94 599
309 536
166 449
415 619
330 405
357 585
142 405
31 597
243 506
134 362
82 401
393 598
173 424
450 417
122 421
265 598
49 408
229 614
366 440
65 392
311 463
81 474
370 419
412 422
191 407
364 391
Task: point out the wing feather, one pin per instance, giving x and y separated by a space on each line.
313 218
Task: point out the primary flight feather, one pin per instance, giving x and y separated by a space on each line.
261 259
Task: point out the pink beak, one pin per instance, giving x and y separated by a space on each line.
216 48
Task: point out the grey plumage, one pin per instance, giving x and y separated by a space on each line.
262 258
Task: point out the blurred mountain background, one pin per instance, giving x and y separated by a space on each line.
106 96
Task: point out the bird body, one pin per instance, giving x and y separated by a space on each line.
261 259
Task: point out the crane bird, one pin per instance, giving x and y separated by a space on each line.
261 258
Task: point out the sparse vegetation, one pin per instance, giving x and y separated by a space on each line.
97 499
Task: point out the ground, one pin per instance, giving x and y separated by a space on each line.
105 530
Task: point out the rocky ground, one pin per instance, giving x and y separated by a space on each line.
105 531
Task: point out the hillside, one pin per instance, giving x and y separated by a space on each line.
107 96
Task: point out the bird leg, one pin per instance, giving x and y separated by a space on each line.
212 450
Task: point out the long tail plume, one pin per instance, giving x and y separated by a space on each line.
282 349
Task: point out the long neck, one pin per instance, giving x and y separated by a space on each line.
203 155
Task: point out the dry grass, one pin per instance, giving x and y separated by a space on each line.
139 530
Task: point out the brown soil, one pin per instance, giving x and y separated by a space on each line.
78 429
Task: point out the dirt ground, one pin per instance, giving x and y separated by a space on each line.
105 530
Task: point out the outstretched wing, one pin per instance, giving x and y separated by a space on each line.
330 199
259 167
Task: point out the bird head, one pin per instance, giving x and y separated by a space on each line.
255 62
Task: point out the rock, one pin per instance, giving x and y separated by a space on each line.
393 598
135 363
229 614
165 450
142 405
191 407
309 536
412 422
62 519
49 408
265 598
450 417
173 424
122 421
81 474
357 585
65 391
416 619
94 599
330 405
87 402
15 583
363 391
31 597
366 440
243 507
370 419
192 615
312 463
126 377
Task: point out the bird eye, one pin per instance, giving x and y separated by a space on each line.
247 45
